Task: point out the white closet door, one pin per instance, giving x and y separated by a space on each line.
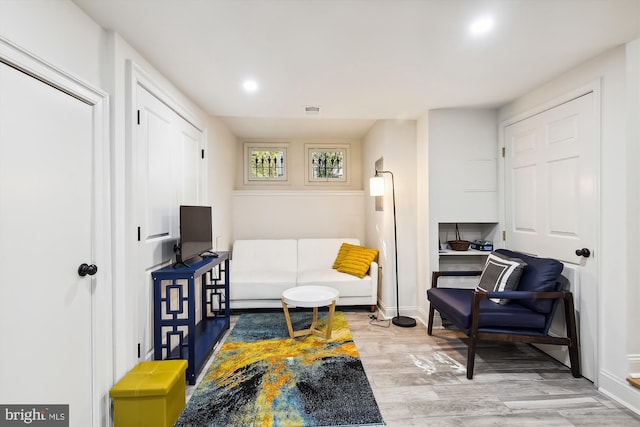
46 231
551 201
168 172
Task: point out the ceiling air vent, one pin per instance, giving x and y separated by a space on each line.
312 110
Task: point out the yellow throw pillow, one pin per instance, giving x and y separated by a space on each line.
357 261
342 252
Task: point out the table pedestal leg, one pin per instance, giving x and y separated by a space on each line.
312 330
332 309
288 318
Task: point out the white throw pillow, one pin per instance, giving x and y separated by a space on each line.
501 273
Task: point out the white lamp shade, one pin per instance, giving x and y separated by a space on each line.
376 186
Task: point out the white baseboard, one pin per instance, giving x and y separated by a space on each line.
620 391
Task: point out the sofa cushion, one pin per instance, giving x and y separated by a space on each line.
264 255
501 273
540 275
262 269
260 284
320 254
455 306
346 284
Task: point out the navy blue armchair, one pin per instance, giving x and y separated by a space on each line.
523 315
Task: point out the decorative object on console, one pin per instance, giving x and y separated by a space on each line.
459 244
376 188
482 245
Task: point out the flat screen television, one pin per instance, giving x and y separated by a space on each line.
195 232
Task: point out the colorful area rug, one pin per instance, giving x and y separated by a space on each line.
261 377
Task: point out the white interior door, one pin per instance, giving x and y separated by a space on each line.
46 217
551 203
168 172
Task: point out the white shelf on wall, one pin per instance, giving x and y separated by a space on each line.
469 252
471 259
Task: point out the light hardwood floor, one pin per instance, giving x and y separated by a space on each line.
420 380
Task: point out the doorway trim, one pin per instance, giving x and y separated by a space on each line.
101 302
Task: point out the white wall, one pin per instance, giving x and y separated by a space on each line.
297 214
395 141
423 212
615 284
633 200
221 146
58 32
463 150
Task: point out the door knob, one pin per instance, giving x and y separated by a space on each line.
583 252
85 269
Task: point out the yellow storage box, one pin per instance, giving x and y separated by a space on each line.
151 394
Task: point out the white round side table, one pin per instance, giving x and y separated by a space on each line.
314 297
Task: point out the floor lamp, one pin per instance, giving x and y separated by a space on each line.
376 188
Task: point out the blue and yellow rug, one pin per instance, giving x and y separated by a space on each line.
261 377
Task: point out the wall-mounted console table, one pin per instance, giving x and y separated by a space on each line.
181 328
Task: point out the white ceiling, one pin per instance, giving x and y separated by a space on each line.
359 60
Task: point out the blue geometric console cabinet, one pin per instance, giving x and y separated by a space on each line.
183 328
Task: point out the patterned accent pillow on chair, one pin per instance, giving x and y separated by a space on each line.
500 273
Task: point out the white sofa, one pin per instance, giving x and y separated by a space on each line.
262 269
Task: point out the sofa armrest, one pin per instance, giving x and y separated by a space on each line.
437 274
373 272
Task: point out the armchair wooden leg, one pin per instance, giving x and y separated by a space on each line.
471 355
572 334
430 324
473 332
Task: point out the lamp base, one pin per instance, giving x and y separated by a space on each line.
404 321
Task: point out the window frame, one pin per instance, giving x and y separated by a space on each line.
250 148
310 149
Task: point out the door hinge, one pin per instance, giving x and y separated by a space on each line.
202 153
139 233
504 150
138 116
504 235
138 350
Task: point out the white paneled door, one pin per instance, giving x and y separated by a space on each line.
46 233
168 171
551 202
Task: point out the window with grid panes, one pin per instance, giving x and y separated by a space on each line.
327 163
265 162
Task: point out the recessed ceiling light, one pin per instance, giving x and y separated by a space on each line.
481 25
250 85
